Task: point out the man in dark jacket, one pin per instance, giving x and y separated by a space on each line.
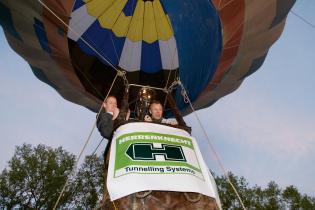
105 121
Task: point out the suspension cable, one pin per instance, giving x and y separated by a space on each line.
172 63
303 19
99 144
85 145
114 46
185 95
100 95
169 74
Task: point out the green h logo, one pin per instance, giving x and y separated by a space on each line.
146 151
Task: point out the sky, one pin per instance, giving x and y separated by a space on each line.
264 131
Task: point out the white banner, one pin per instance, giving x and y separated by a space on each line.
147 156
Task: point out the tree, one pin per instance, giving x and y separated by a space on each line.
35 176
295 201
292 197
307 202
270 198
227 195
89 182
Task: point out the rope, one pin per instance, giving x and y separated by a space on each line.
212 147
122 74
97 146
170 71
172 86
84 147
87 79
143 194
192 200
221 7
85 42
111 37
114 205
168 79
303 19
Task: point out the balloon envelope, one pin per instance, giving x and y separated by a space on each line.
210 45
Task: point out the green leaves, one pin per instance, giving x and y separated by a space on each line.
270 198
90 182
35 176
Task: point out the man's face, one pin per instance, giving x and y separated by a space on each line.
156 111
111 104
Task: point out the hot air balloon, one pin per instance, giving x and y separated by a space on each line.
210 47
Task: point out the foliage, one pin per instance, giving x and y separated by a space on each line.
270 198
90 181
34 177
